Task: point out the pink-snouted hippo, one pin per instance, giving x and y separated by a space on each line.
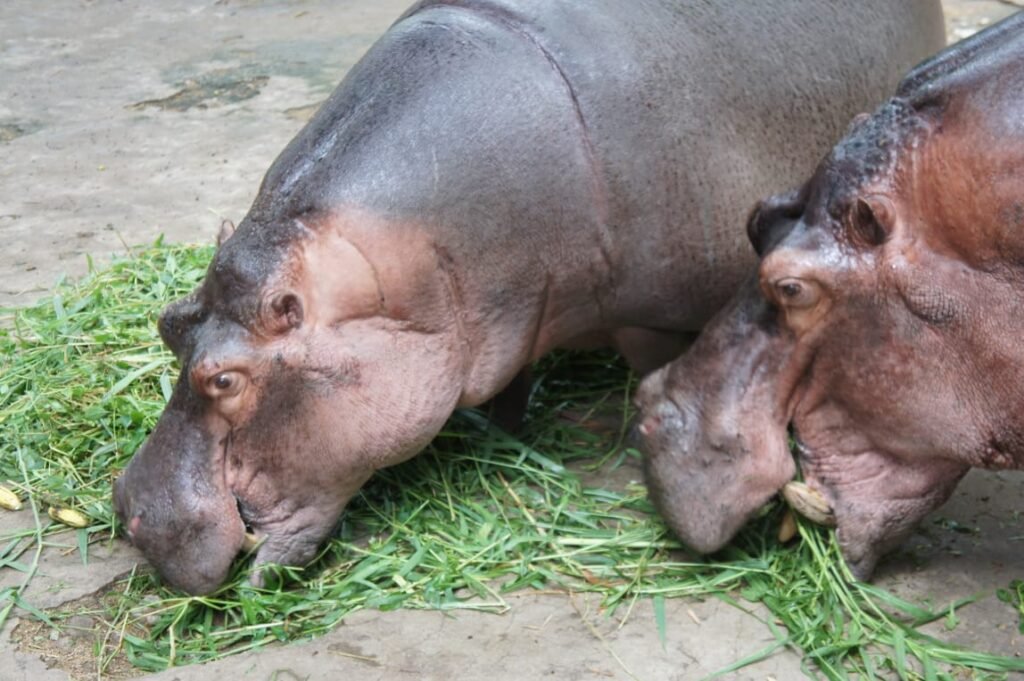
494 179
884 323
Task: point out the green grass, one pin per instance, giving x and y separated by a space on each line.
83 378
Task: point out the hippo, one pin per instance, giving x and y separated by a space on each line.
881 328
494 179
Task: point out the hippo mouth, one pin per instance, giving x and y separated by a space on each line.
253 538
804 494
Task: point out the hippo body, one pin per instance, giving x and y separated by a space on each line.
494 179
883 324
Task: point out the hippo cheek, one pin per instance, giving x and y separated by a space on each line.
291 510
175 508
295 537
293 467
714 440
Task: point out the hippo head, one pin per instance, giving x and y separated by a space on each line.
304 368
883 328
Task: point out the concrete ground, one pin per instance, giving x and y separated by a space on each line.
120 121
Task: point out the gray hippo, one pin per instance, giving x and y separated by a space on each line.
494 179
884 324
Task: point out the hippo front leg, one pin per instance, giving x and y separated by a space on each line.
507 409
879 499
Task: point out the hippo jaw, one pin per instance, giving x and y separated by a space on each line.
871 275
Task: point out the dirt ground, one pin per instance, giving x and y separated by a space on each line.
121 121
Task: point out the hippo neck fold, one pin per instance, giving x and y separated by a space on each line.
358 264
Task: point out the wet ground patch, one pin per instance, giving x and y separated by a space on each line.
302 113
212 89
12 130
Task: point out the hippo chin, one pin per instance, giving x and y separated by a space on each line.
494 179
883 324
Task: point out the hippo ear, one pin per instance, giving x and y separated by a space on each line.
772 218
227 228
283 312
176 320
871 221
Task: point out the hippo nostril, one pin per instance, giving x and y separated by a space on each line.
649 425
664 419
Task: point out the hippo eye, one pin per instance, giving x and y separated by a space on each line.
790 289
794 292
226 384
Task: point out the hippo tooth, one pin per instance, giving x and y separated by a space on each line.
787 529
251 541
809 503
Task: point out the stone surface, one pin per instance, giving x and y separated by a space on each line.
540 637
61 575
123 121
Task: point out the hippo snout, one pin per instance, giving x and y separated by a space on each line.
192 548
715 448
175 508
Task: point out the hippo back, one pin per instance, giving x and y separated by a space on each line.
620 143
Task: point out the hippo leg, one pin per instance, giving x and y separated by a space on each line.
507 409
878 500
644 350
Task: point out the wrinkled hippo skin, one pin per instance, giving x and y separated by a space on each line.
494 179
884 323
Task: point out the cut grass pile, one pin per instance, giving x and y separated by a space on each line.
83 378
